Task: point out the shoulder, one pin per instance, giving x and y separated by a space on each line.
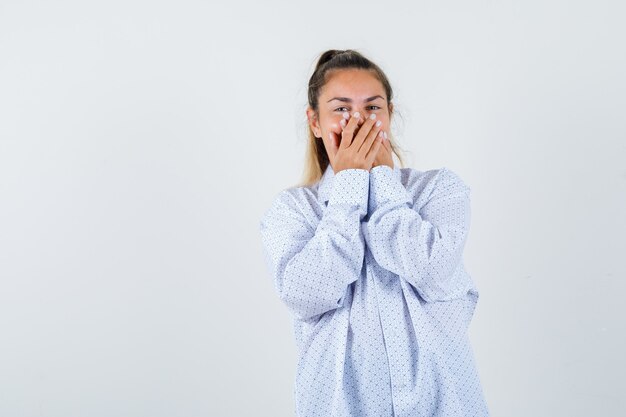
283 201
289 204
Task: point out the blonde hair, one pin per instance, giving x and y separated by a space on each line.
316 158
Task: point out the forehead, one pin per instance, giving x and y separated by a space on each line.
352 82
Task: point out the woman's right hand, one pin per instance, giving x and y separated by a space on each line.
354 151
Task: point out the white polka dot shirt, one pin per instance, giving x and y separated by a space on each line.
369 264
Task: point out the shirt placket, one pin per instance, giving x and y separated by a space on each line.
391 314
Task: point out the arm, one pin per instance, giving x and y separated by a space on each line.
424 247
313 268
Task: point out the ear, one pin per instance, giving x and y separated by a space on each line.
314 123
390 109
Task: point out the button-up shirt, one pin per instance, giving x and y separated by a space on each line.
370 266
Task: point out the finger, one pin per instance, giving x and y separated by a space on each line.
386 142
348 132
332 144
344 121
367 134
371 141
360 121
373 151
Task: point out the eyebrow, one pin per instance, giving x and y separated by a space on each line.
349 100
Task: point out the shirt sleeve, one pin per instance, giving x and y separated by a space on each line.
312 268
424 247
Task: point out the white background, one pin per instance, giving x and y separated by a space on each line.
141 141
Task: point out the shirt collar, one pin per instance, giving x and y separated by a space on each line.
326 182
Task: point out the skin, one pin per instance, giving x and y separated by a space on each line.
351 137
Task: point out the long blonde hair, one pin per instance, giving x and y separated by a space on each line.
316 158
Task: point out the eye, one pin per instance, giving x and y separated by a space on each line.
342 109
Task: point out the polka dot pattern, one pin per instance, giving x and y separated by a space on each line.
369 264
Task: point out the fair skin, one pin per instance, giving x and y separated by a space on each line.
344 121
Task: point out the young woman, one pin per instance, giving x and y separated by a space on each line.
367 257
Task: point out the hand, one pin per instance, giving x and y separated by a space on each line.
352 151
384 155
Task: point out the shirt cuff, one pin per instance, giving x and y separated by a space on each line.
386 185
350 187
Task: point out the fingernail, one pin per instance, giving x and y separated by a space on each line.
346 115
381 134
385 134
378 123
356 115
373 116
342 122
